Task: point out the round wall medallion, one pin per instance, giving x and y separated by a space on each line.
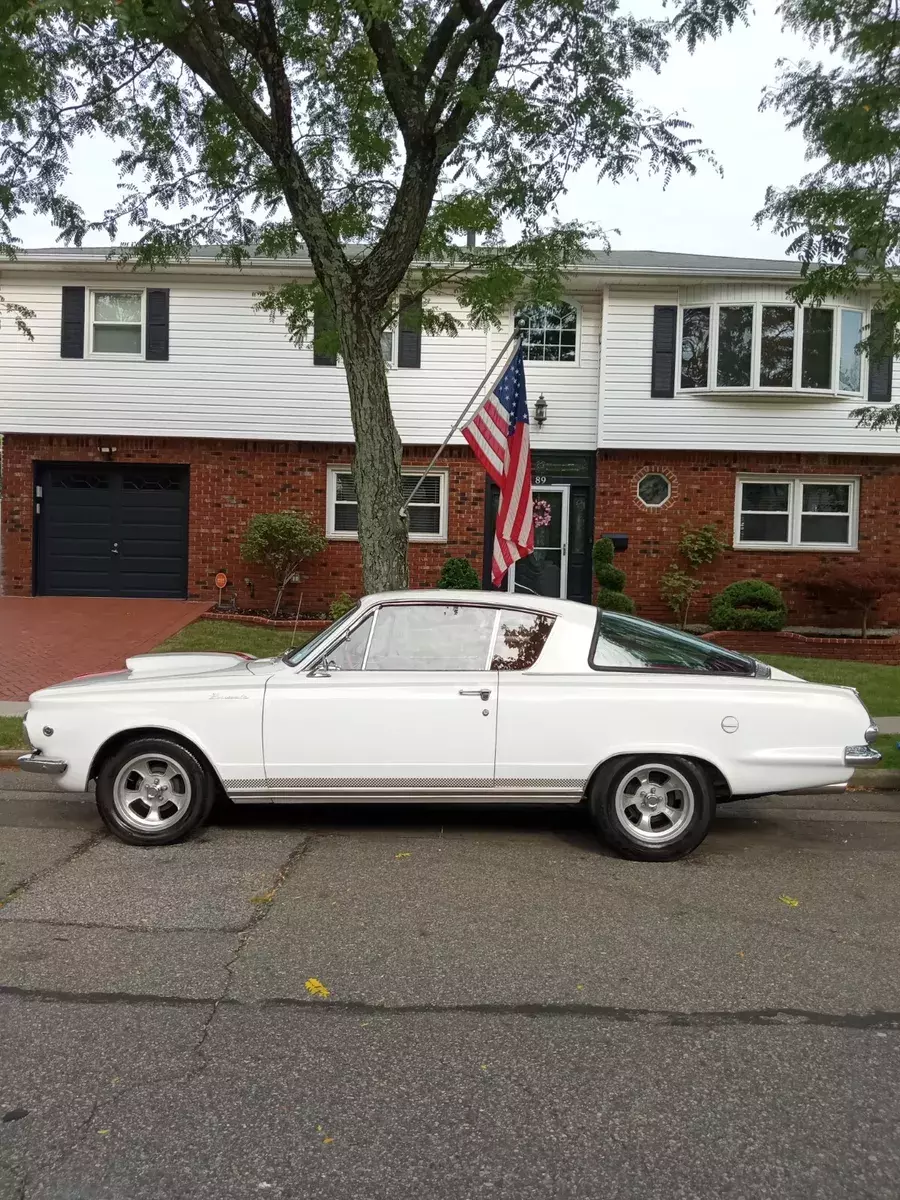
654 490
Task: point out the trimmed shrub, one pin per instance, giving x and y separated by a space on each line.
611 580
281 542
459 574
340 605
748 604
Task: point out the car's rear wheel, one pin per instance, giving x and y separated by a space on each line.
652 807
154 791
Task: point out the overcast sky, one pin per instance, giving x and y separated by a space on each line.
717 89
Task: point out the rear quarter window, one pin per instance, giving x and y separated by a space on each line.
622 643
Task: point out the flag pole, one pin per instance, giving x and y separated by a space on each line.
514 336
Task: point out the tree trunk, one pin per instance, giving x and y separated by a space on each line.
376 471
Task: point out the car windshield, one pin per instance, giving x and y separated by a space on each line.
294 657
629 644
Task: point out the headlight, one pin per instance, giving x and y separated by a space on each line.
871 734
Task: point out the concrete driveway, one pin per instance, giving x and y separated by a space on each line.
46 639
511 1012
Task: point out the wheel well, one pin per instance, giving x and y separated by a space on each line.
721 790
115 743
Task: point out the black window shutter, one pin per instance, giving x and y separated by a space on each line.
323 323
662 374
71 335
881 366
409 348
157 339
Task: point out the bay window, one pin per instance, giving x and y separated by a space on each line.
796 513
771 347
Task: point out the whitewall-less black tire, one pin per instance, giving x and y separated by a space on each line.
652 807
154 791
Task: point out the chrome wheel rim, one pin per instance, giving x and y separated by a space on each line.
151 792
654 804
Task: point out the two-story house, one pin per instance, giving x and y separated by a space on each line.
154 413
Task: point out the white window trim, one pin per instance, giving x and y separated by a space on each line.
89 324
795 512
543 364
340 535
637 489
754 388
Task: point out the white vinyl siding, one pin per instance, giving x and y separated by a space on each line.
233 373
775 512
630 418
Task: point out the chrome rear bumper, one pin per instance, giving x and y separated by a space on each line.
37 764
860 756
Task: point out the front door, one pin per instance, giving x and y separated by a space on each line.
406 705
545 572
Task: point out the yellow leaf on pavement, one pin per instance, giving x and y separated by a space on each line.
403 854
315 987
789 900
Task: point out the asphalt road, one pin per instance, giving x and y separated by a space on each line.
511 1012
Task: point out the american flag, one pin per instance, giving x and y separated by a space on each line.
498 434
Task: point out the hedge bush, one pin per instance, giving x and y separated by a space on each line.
458 573
610 578
748 604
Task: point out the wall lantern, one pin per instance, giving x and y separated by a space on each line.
540 411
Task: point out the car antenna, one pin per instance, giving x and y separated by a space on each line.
296 622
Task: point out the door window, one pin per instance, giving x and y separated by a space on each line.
350 654
521 636
431 637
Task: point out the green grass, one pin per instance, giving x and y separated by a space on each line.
257 640
879 687
12 734
890 755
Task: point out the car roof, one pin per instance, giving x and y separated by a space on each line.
584 614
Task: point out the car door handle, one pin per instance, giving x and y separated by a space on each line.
481 693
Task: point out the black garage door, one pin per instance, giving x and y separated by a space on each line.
108 530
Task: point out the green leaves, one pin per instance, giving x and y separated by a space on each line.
844 218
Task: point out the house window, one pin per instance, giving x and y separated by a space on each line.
549 332
777 347
654 490
117 322
796 513
427 513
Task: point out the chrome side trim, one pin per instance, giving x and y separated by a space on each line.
813 791
399 783
38 765
860 756
406 795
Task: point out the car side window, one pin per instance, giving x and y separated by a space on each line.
350 654
521 636
628 643
431 637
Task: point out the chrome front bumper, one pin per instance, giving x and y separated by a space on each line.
37 764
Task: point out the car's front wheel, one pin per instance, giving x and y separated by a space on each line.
652 807
154 791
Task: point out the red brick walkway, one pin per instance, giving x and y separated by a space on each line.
48 639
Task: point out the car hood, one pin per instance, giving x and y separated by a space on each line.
156 669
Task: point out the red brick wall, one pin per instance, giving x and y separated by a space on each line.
229 482
703 490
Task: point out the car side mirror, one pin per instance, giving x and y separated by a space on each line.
323 669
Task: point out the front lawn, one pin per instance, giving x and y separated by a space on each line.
878 687
12 734
257 640
890 755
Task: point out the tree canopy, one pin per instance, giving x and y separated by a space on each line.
844 216
390 127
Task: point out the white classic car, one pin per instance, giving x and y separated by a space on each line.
453 696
